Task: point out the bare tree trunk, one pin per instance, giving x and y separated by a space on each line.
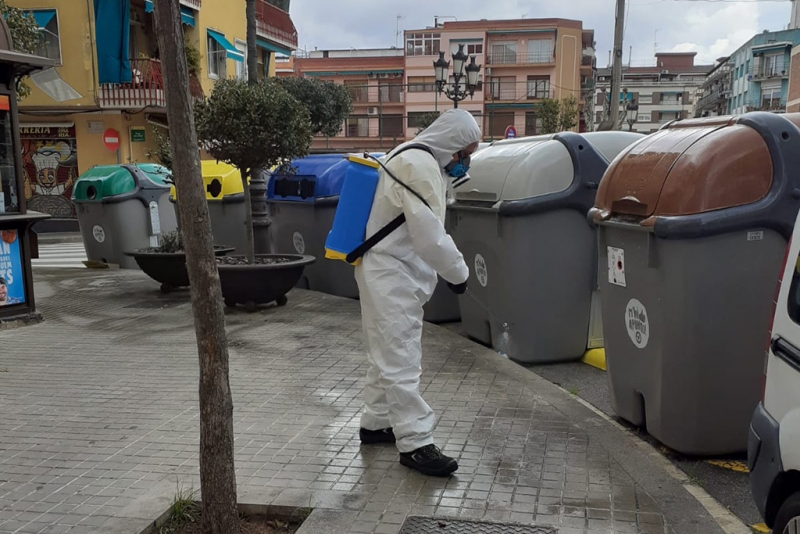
248 210
252 51
217 474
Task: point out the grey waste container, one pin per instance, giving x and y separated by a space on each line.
302 206
122 208
693 227
521 224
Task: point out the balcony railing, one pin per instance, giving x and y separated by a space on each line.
275 24
370 94
587 61
501 93
712 98
146 88
194 4
514 58
767 72
767 104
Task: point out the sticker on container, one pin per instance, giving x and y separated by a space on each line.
98 233
299 243
637 323
616 266
480 270
155 219
755 236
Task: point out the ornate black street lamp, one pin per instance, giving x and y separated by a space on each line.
454 91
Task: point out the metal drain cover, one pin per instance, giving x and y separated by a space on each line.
429 525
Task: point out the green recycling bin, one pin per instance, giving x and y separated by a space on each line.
122 208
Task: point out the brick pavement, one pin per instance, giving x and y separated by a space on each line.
99 424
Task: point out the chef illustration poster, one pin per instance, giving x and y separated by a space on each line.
12 287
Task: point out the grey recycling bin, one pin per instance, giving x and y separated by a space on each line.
122 208
693 224
521 225
302 206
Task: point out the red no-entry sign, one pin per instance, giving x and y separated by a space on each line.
111 139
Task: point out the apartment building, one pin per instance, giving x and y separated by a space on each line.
665 92
522 62
716 90
793 91
761 72
99 105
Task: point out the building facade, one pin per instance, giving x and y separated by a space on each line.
664 92
761 72
98 106
522 62
713 96
793 97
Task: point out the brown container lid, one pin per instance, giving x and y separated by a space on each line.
688 168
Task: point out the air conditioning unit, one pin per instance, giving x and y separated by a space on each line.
372 111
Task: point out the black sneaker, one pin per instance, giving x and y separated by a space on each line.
429 460
372 437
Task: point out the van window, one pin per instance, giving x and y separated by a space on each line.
794 294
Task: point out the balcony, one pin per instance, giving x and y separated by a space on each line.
511 93
713 98
276 25
194 4
146 88
513 58
769 72
386 95
775 105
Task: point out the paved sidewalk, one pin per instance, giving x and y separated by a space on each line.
99 424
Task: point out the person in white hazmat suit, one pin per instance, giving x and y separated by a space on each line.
398 276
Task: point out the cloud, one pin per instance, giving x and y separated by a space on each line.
711 29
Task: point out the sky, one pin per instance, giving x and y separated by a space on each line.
712 28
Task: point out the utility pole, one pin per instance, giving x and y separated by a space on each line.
616 69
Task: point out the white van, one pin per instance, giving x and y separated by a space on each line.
773 452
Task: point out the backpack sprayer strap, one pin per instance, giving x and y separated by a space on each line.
398 221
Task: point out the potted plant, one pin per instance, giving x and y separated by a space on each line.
255 126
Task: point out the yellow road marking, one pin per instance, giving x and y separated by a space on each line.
760 527
595 358
731 465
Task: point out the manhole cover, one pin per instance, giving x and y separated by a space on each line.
429 525
154 304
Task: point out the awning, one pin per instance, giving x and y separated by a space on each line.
43 17
230 50
187 14
266 45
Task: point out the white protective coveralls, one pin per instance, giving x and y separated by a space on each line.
398 276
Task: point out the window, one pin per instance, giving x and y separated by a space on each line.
217 59
645 99
533 124
503 88
241 66
391 92
538 87
496 123
771 98
9 196
423 44
50 43
504 53
263 59
357 126
414 118
643 117
540 51
421 84
359 90
671 98
391 126
774 65
471 49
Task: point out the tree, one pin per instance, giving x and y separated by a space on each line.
217 471
26 37
328 103
253 126
568 117
550 113
425 120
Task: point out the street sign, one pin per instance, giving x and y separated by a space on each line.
138 135
111 139
511 132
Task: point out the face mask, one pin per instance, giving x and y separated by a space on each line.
458 170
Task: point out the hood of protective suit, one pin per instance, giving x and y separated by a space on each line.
454 130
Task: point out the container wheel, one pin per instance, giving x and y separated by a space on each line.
250 306
230 303
282 300
788 519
